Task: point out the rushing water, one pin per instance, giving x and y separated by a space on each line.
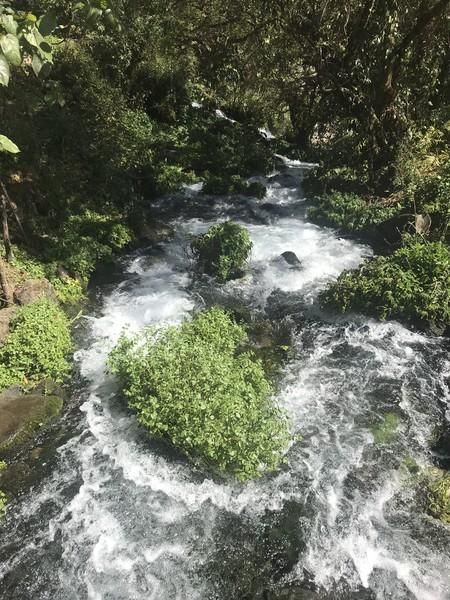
118 517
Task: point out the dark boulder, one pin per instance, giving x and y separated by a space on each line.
292 259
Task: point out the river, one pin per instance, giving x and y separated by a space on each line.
116 516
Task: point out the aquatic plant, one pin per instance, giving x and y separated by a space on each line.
190 384
223 250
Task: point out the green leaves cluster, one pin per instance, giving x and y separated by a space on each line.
223 250
350 211
37 346
412 284
191 385
25 40
88 238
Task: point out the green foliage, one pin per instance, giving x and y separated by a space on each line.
351 212
223 250
438 499
412 284
387 430
37 346
88 238
68 290
191 385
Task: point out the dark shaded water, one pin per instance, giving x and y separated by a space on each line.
114 516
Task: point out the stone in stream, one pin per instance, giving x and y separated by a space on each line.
21 415
292 259
32 290
154 232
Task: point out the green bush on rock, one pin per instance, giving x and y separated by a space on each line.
350 211
223 250
37 345
191 385
413 284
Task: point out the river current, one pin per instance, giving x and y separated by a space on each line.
121 517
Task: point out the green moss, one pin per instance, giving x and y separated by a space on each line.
192 385
2 504
223 250
412 284
387 430
42 409
438 498
37 346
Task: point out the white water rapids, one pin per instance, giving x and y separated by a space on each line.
120 517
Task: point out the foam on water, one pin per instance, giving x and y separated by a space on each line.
141 521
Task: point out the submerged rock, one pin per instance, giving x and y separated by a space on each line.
21 415
292 259
32 290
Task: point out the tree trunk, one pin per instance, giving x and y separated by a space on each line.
6 288
5 226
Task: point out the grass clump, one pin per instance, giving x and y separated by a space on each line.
37 345
351 212
412 284
223 250
191 385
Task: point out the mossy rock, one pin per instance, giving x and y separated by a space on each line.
438 496
22 415
386 432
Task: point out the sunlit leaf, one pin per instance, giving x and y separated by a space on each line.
10 46
7 145
4 70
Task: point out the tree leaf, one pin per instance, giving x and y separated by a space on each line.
11 49
4 70
36 64
7 145
47 23
8 23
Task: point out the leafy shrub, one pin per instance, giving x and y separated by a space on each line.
90 237
413 284
432 195
223 250
68 290
190 384
37 345
350 211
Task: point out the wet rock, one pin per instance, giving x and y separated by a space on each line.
154 232
21 415
6 314
32 290
292 259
